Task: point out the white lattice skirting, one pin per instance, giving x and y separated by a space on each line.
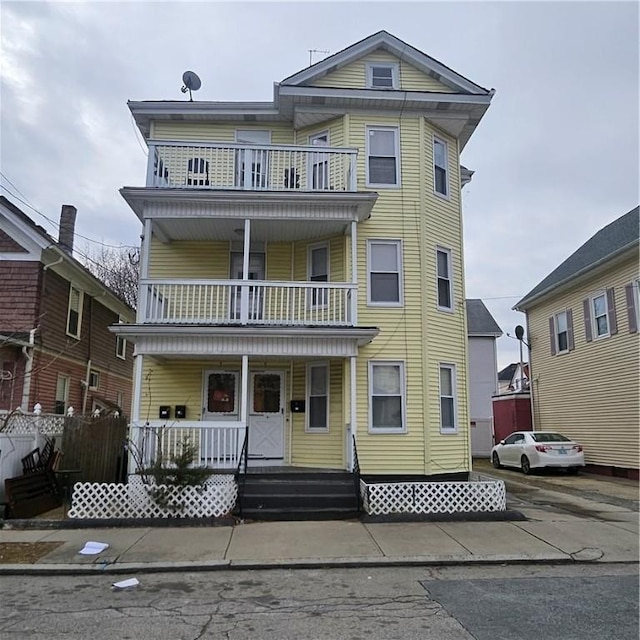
433 497
138 500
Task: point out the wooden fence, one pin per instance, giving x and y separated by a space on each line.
94 449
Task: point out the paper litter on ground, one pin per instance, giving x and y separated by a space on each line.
123 584
91 548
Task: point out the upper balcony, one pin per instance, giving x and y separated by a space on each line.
251 167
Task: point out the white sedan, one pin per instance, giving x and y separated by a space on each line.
529 450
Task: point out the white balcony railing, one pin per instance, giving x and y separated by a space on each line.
217 445
218 302
252 167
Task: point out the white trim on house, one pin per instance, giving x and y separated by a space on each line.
372 364
437 140
399 262
454 397
369 130
446 252
393 66
307 426
594 318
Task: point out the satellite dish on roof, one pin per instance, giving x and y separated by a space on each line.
191 82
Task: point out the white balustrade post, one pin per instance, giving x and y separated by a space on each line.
151 159
353 175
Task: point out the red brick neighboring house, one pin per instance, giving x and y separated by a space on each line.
55 345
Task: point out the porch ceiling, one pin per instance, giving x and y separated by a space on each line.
188 214
171 342
233 229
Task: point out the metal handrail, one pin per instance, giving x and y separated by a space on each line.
241 470
356 474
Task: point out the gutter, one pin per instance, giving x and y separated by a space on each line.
27 351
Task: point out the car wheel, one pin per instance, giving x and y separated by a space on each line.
573 471
495 461
525 465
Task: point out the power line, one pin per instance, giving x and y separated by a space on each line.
56 224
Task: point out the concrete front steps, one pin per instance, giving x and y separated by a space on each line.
297 496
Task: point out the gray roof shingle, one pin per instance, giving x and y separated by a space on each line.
479 320
618 236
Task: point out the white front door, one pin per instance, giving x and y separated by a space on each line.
266 415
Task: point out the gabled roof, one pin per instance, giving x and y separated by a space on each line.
60 260
506 374
616 238
388 42
479 321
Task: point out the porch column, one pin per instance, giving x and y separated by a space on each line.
134 426
244 391
354 272
244 296
353 417
143 289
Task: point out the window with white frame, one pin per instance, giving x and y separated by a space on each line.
448 418
382 157
636 302
318 271
121 344
562 332
94 379
62 395
317 397
384 261
440 173
443 259
386 397
382 75
600 316
74 313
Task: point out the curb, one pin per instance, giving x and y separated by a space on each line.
299 563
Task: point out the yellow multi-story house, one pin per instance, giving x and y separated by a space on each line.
302 274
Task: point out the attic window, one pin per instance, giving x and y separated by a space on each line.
382 76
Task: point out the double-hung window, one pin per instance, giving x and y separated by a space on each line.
317 397
386 397
74 312
62 395
382 75
443 259
448 418
561 332
600 316
384 259
382 157
121 344
440 173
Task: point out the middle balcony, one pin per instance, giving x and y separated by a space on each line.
238 302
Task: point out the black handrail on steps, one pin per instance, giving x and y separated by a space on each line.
356 474
241 470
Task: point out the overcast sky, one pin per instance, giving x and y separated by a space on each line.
556 156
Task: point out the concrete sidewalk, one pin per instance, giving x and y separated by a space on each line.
546 537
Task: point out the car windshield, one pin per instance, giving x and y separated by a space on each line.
549 437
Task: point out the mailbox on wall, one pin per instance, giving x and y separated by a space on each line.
164 412
181 411
297 406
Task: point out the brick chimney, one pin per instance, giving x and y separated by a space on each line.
67 227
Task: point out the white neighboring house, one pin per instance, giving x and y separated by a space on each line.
512 379
482 333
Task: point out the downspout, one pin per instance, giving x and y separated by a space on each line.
27 351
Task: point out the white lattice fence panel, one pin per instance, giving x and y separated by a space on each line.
215 498
25 424
434 497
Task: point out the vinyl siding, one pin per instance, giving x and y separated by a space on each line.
322 450
193 259
281 133
591 393
353 75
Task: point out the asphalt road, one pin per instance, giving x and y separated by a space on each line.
513 602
